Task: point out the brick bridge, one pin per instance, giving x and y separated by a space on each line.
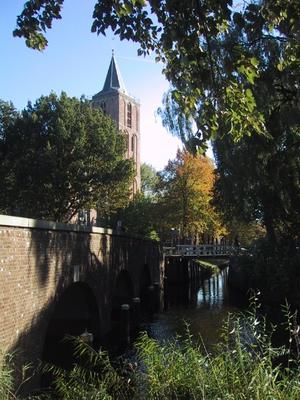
58 278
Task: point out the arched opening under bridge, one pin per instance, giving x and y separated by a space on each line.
122 295
75 312
145 291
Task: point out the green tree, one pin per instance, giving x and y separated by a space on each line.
57 157
259 181
8 114
246 232
149 179
259 177
138 217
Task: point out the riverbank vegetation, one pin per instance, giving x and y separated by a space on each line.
210 267
243 365
271 270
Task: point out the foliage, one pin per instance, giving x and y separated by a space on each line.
9 390
149 179
113 197
6 379
212 72
8 114
179 203
258 179
244 365
141 215
58 156
36 17
208 268
138 217
93 377
274 271
246 232
184 195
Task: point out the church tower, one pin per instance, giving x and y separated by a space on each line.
114 100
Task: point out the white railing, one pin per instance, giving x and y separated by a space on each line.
204 250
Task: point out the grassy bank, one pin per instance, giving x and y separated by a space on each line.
211 266
243 366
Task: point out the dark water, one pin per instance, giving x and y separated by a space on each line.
203 307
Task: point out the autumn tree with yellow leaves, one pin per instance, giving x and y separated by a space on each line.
185 191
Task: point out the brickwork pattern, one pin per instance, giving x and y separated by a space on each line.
116 107
38 265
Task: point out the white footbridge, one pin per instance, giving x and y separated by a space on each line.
200 250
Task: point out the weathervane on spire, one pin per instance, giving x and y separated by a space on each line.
113 52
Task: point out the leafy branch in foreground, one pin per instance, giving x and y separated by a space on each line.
208 52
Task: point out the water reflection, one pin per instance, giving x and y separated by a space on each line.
213 292
202 306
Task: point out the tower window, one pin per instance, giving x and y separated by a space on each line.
129 115
103 106
134 187
132 143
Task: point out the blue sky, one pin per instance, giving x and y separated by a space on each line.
76 61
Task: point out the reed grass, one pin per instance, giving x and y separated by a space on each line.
6 377
243 366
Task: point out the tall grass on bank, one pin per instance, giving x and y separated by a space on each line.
244 366
8 388
241 367
6 379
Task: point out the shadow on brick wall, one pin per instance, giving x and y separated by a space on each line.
59 259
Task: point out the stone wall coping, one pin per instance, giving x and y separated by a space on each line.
21 222
9 220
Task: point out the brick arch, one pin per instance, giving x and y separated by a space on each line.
123 293
75 311
123 289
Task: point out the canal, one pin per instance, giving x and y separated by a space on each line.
202 306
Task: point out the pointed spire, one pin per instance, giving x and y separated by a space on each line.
113 79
